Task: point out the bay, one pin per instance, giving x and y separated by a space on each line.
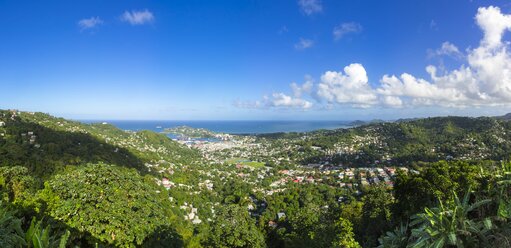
230 127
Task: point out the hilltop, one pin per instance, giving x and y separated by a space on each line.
505 117
419 140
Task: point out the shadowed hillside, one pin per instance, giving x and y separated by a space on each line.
45 144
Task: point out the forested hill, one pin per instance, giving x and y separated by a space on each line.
438 138
93 184
427 139
68 184
45 144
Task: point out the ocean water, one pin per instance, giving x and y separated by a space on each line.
231 127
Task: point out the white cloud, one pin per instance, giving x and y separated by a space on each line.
484 78
304 44
346 28
392 101
350 87
283 100
310 7
484 81
89 23
493 23
276 100
137 17
304 88
447 49
419 90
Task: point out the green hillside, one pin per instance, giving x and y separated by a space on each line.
427 140
435 182
46 144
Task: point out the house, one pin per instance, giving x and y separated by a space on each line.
281 215
298 179
196 220
167 183
391 171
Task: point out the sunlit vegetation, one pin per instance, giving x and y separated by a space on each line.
67 184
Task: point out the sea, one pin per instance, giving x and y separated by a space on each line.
230 127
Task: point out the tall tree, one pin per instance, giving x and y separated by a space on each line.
233 227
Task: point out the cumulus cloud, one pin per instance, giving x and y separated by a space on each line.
483 79
346 28
304 44
283 100
310 7
392 101
137 17
89 23
351 87
493 23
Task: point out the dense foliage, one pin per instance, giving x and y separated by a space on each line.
233 227
429 140
114 205
65 183
479 218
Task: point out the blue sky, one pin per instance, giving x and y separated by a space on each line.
237 59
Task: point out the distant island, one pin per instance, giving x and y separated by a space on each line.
360 122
